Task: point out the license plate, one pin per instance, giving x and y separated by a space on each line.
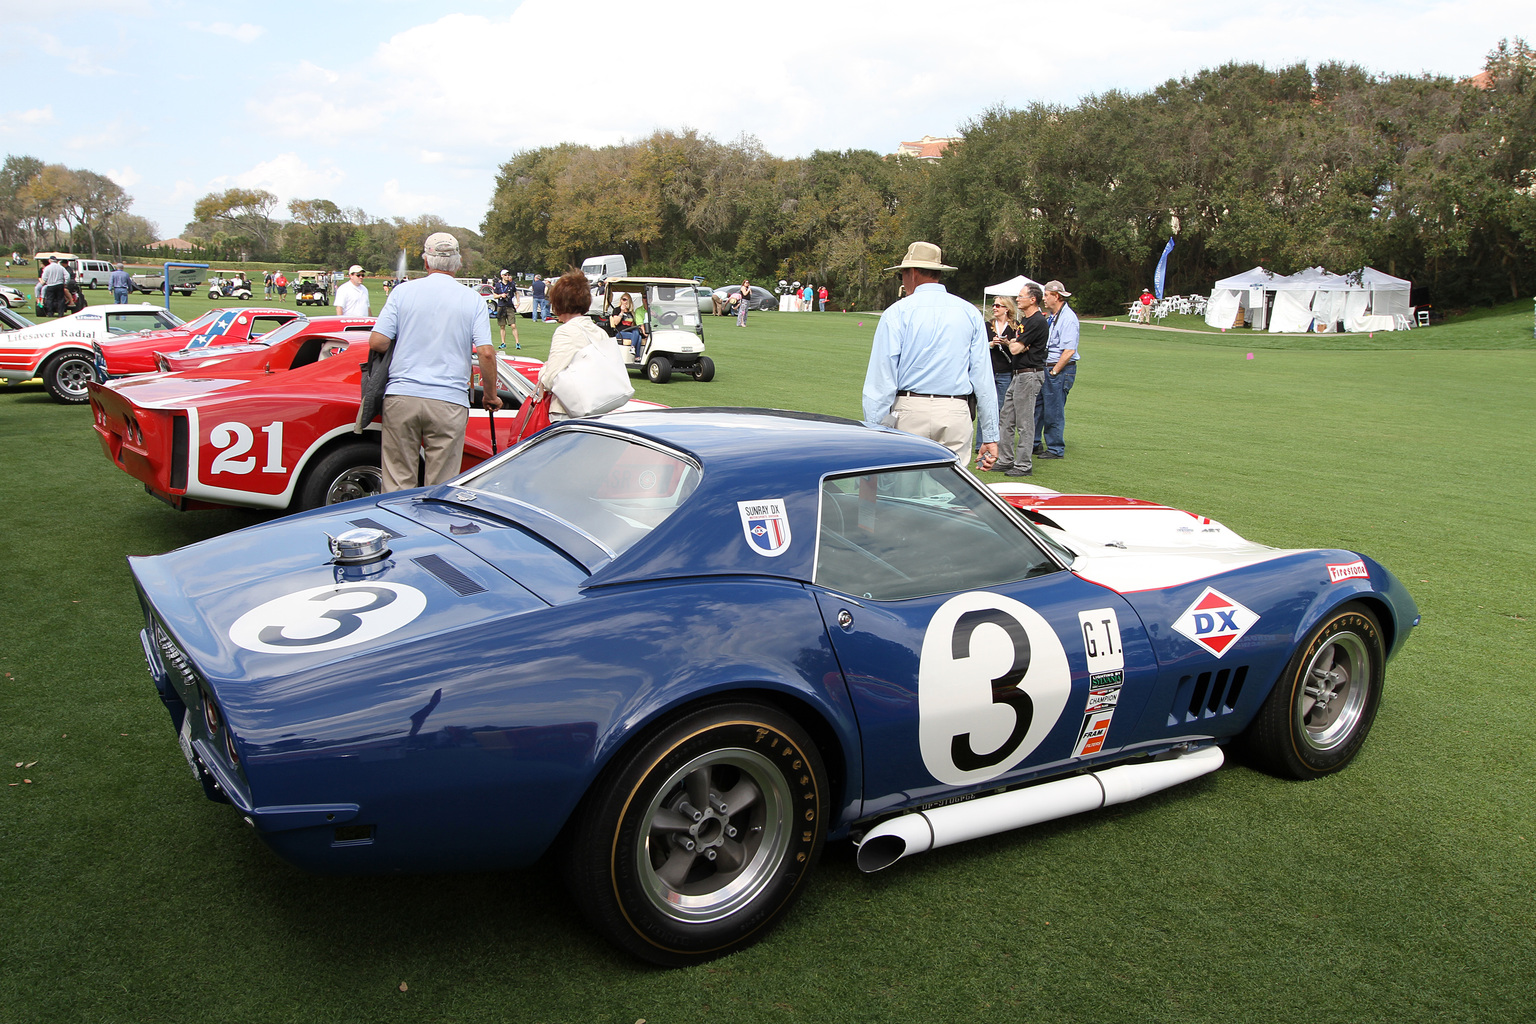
185 739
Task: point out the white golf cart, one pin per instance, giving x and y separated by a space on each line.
668 310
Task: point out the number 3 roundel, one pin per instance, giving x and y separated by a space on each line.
992 682
325 618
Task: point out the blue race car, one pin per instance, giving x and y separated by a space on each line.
684 648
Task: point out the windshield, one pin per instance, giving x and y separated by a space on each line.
674 305
282 333
203 321
613 489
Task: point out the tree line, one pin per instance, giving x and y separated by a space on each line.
1426 177
37 199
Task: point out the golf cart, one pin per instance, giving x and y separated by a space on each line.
236 287
309 291
668 311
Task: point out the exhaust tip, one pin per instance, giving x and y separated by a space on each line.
880 852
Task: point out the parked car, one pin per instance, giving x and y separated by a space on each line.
225 326
284 347
10 297
674 330
184 280
253 433
677 651
762 298
59 350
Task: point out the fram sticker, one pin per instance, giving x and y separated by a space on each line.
1215 621
765 523
1355 570
1103 698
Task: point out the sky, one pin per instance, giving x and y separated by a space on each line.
402 110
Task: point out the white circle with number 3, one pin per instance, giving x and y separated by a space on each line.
327 618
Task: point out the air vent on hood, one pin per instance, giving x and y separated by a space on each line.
456 580
369 524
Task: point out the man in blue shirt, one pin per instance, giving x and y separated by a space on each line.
434 325
929 357
1060 372
120 283
540 299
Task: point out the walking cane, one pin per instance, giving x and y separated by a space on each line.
492 413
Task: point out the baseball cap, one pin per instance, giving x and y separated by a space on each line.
1058 288
440 243
354 269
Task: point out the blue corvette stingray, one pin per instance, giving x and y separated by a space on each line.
684 648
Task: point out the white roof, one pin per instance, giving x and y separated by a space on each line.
1313 279
1010 287
1378 281
1258 277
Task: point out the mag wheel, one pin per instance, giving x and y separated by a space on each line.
700 840
351 471
1317 717
66 376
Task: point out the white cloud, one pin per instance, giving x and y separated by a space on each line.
427 156
37 115
287 176
125 176
242 33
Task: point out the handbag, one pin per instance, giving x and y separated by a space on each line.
532 417
595 382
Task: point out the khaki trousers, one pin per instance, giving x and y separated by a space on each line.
945 420
421 427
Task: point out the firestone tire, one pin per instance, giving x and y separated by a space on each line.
66 376
351 471
696 843
1319 713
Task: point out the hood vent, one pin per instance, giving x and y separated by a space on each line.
369 524
444 570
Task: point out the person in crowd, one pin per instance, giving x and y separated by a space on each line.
52 280
266 280
1028 349
505 290
1002 329
570 298
745 299
628 323
352 296
281 281
540 298
808 298
120 283
1146 306
821 296
1060 373
929 359
434 326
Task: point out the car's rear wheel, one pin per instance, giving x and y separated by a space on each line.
1317 716
698 841
348 472
704 369
66 376
658 370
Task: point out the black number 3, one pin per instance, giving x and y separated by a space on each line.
348 620
1005 688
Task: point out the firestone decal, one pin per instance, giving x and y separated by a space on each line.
1355 570
992 681
328 617
1215 621
765 523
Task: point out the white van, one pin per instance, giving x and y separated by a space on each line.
92 273
600 268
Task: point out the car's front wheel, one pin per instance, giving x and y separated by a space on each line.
350 471
66 376
1317 716
696 843
658 370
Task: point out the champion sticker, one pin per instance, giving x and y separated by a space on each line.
326 618
1103 698
1215 621
1355 570
765 523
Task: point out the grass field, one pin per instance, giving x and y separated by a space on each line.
1402 889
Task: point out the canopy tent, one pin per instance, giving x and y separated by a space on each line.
1388 294
1239 293
1010 288
1306 298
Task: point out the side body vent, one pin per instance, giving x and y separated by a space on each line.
444 570
1207 695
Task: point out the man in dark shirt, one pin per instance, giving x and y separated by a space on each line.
1017 427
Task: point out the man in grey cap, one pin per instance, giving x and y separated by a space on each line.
1060 372
433 326
929 361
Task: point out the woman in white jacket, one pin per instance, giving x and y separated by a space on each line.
570 298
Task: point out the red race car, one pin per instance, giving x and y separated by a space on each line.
136 354
296 343
269 437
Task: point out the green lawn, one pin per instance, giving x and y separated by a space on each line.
1402 889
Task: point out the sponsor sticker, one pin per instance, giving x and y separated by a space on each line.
1103 698
765 523
1215 621
1355 570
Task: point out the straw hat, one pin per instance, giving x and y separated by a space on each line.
923 256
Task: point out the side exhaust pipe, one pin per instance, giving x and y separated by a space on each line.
944 826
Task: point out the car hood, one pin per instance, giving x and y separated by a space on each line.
267 613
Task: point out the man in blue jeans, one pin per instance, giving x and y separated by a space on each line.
120 283
540 299
1060 372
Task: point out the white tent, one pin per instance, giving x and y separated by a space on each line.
1010 288
1388 294
1306 298
1239 292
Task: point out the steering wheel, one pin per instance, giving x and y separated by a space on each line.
669 318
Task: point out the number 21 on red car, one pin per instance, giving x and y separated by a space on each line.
236 439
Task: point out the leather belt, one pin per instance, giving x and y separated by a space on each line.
1017 372
919 394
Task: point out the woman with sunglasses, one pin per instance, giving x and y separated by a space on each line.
1002 328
